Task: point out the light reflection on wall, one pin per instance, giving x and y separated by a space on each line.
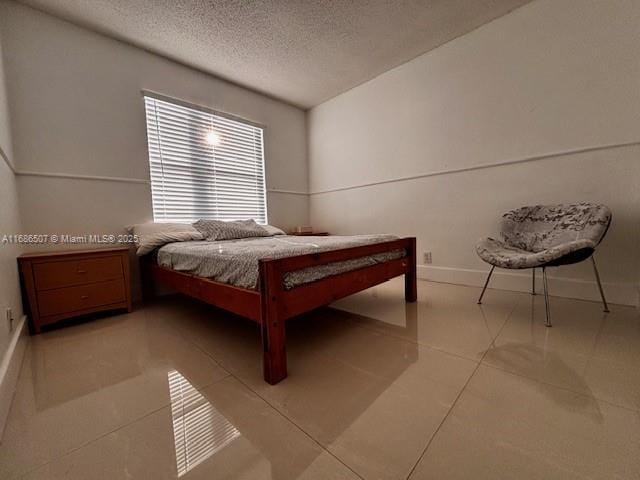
199 430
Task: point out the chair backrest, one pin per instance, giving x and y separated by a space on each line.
540 227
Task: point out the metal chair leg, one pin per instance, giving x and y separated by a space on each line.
546 296
595 270
486 284
533 281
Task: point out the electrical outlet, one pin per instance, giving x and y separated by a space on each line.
9 319
427 258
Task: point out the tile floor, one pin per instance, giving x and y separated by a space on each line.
377 389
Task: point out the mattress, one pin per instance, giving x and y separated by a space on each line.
236 262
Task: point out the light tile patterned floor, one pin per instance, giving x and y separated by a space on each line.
377 389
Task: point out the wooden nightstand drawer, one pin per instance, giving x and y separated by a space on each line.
59 274
65 284
73 299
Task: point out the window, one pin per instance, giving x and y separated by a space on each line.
203 164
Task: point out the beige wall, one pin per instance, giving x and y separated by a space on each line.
553 76
9 224
77 109
12 341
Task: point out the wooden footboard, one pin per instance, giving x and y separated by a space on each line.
272 305
279 304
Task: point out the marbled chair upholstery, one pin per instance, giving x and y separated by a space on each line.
546 235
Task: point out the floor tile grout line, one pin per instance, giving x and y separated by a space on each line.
433 435
478 363
395 337
523 292
415 342
426 345
290 420
369 329
464 387
228 374
506 321
385 334
404 339
93 440
199 388
275 408
481 363
560 387
568 389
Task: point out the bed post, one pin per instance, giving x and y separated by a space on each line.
410 278
274 361
146 278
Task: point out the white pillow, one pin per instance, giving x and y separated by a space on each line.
273 230
153 235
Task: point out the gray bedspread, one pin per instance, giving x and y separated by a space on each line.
235 262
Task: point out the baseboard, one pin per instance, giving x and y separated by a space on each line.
520 281
10 369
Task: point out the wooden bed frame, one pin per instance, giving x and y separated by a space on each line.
272 305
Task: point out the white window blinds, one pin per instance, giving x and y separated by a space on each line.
203 165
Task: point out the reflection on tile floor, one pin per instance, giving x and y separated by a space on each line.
377 388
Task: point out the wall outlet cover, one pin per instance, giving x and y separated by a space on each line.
9 314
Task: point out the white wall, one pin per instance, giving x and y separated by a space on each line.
12 342
77 109
9 223
553 76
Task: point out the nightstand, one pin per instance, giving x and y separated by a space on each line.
65 284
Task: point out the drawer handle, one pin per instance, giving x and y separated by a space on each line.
84 297
81 271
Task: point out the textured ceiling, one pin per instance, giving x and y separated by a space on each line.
303 52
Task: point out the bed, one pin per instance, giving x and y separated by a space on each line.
270 280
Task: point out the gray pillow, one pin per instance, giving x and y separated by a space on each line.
214 230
